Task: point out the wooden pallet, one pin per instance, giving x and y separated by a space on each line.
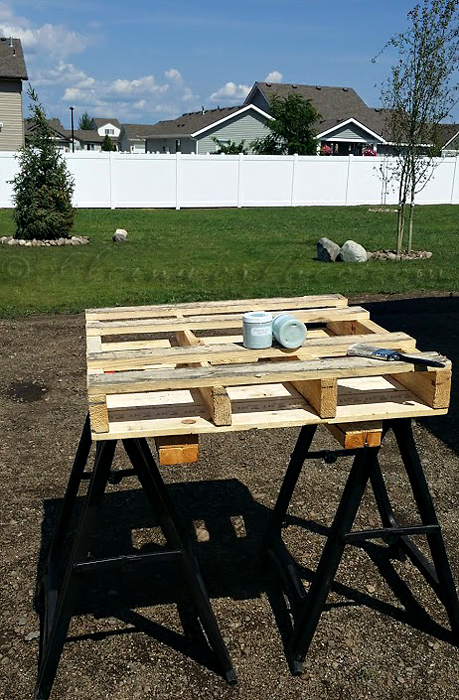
182 370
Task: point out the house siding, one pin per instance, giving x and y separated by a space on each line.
350 133
162 145
247 127
12 131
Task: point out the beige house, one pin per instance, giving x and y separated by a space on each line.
12 72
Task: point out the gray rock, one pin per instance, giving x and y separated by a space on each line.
12 241
327 250
353 252
32 635
120 235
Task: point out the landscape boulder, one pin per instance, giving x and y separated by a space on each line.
120 235
327 250
353 252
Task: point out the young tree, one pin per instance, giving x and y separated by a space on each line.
43 187
292 130
231 148
107 144
418 95
86 122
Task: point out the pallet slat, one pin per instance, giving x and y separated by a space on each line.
197 377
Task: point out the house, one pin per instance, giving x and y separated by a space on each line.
193 132
346 123
108 127
133 137
12 72
450 139
60 135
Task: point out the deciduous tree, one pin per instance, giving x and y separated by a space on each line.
418 96
293 129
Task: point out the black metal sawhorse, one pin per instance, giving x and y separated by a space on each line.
307 607
58 594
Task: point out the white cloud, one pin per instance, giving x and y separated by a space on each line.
274 77
173 74
48 40
230 91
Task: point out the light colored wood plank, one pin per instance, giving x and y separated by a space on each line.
213 307
322 394
233 352
177 449
231 375
215 397
356 327
161 325
98 413
352 436
433 386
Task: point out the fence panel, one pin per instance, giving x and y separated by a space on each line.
163 180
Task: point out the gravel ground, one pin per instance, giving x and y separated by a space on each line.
383 634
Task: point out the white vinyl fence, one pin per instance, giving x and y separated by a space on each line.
117 180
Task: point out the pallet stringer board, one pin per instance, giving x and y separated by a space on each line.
321 394
216 398
432 386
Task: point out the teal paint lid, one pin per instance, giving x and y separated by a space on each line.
289 331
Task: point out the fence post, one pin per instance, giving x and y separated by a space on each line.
111 183
177 180
348 178
454 180
239 180
294 164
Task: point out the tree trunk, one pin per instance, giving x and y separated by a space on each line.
400 226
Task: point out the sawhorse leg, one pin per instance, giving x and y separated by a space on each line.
307 606
59 600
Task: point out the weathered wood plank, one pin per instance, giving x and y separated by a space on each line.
231 375
98 413
433 386
236 352
214 307
161 325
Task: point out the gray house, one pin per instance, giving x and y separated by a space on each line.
12 72
133 137
193 132
346 123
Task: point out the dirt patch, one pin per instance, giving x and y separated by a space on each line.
383 635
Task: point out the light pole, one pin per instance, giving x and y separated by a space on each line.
73 131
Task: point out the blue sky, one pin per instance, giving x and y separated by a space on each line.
144 61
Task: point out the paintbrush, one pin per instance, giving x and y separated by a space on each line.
363 350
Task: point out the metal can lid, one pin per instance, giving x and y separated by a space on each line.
257 317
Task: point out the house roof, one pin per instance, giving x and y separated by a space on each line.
98 121
448 132
85 135
335 105
190 122
12 63
138 131
54 123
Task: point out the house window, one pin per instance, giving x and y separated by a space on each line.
178 146
89 146
110 132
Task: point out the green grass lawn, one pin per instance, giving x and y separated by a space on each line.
190 255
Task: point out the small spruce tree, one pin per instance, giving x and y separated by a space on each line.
107 144
43 187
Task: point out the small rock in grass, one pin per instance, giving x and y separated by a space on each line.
353 252
327 250
120 236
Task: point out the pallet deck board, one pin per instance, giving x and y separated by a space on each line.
182 370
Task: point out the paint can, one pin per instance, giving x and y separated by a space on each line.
289 331
256 330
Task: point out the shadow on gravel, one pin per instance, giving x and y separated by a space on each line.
434 322
227 527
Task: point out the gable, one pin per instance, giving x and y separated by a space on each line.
246 127
350 131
